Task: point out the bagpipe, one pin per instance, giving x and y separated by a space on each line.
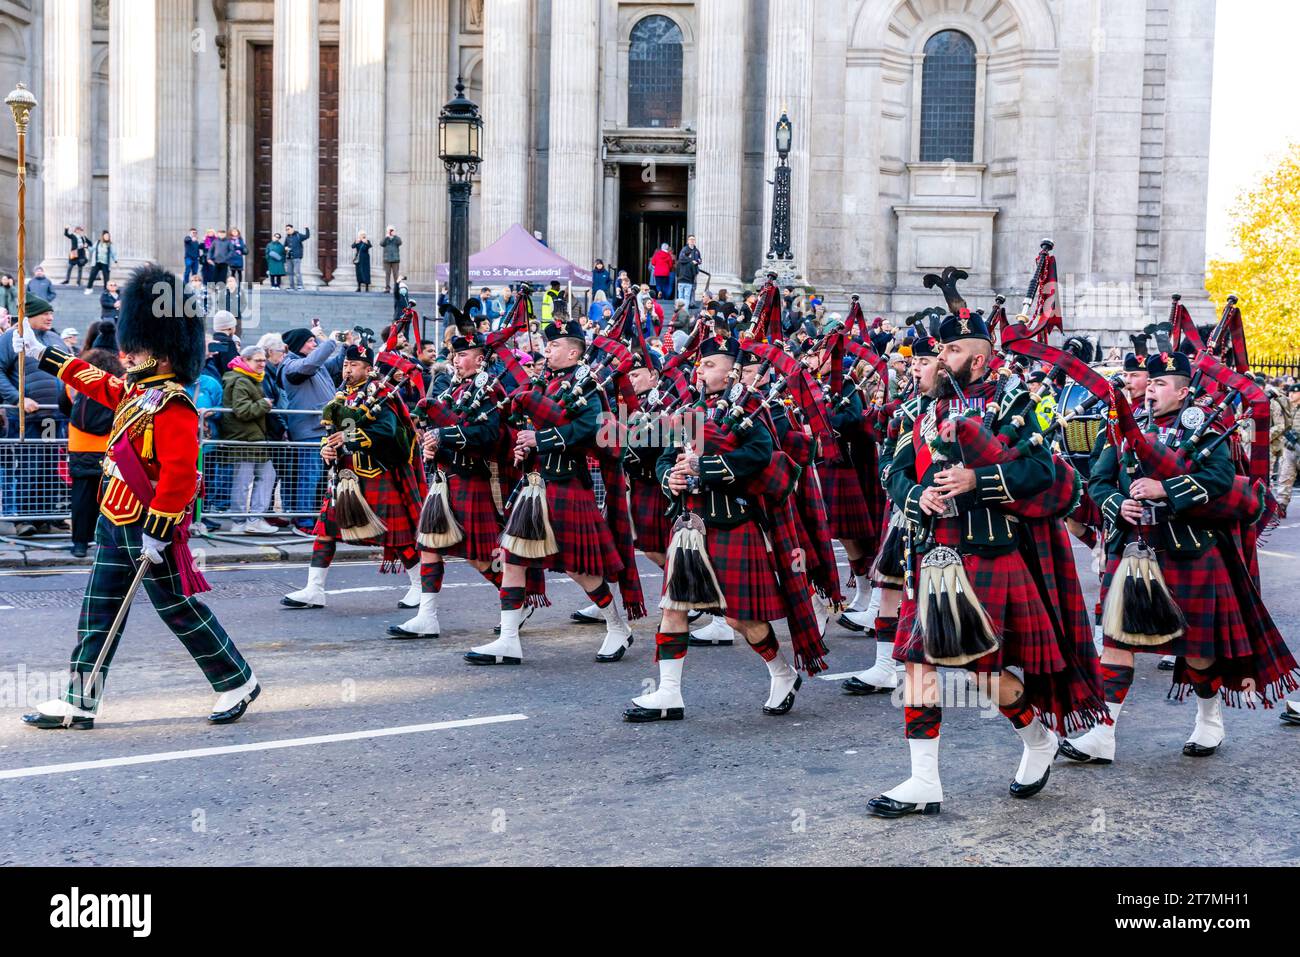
1040 302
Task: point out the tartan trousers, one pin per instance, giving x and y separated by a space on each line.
116 562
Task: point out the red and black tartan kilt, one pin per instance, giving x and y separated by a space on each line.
1087 513
1202 589
586 543
746 572
475 510
649 509
1008 593
846 507
399 513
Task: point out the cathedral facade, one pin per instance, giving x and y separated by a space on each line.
924 133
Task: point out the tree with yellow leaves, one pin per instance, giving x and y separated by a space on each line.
1266 277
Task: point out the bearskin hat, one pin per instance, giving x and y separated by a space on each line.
156 315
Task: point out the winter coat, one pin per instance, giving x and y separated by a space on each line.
242 394
294 240
662 262
392 248
276 254
688 264
309 384
238 250
361 257
221 251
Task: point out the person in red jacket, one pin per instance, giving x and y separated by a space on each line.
661 264
151 480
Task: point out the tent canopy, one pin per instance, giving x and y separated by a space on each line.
518 257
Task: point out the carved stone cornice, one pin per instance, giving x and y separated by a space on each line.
649 143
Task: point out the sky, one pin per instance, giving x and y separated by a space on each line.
1253 114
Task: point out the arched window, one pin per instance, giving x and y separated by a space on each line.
948 98
654 74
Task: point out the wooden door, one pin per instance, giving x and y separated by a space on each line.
261 66
326 232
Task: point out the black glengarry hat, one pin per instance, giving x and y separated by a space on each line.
572 329
1169 363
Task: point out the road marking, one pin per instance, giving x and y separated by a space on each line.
837 675
1275 554
161 756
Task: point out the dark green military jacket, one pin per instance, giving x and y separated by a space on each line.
722 501
985 526
1173 532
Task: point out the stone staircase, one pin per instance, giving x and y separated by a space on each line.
273 310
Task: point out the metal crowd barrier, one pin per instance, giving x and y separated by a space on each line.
242 480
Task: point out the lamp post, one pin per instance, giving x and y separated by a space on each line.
21 103
460 129
779 238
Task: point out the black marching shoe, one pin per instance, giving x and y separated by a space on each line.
49 719
1290 713
1193 750
844 621
230 713
1074 754
887 807
788 702
1019 790
639 715
856 686
618 654
1166 663
583 617
397 631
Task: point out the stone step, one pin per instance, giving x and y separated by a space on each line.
273 310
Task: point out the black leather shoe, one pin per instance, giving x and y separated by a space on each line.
844 621
856 686
1289 717
475 658
237 712
618 655
693 616
496 629
288 602
1165 665
397 631
1019 790
788 702
405 607
1193 750
79 550
707 642
889 808
582 619
49 722
639 715
1074 754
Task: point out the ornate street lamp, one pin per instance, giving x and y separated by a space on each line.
460 130
21 103
779 239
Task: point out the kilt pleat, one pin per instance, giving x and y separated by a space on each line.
847 512
476 511
649 509
586 544
746 572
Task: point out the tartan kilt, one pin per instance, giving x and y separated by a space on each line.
400 514
1086 513
847 512
746 572
585 541
1008 593
476 511
1203 592
649 508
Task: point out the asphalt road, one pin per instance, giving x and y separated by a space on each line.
549 774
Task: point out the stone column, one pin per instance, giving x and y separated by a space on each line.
506 119
133 132
66 104
789 90
719 148
1185 184
361 128
424 244
574 149
176 133
295 125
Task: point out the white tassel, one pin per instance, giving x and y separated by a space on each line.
357 521
533 497
437 510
